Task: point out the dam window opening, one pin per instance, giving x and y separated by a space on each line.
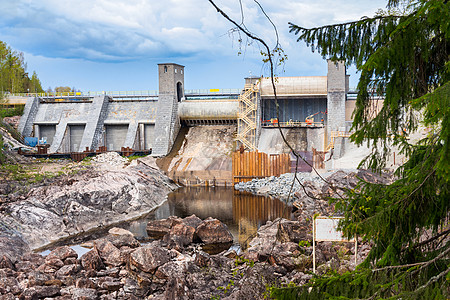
176 70
179 91
165 69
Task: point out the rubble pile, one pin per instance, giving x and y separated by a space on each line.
111 158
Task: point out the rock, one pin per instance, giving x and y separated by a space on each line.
7 296
48 269
110 284
68 270
54 262
176 289
192 221
62 253
9 285
38 278
85 283
84 294
12 245
157 229
292 231
149 257
202 259
119 231
179 236
92 260
214 232
6 263
39 292
170 270
123 240
109 253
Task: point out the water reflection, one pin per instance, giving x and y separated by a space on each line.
243 213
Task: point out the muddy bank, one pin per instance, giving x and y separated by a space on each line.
108 192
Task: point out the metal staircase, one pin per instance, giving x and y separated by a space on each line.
334 135
248 104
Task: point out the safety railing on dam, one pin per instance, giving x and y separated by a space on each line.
187 92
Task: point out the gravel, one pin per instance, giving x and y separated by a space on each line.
280 187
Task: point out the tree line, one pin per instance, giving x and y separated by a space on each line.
14 77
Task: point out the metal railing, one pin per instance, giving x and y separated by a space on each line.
194 92
291 124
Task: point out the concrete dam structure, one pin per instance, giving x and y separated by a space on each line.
314 106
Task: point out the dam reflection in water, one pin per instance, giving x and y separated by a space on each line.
243 213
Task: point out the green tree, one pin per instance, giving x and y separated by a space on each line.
405 57
13 75
62 89
35 84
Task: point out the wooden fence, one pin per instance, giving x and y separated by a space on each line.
249 165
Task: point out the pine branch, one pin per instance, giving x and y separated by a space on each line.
432 280
296 28
446 232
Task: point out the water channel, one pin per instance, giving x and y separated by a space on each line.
242 212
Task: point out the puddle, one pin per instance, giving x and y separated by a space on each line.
78 249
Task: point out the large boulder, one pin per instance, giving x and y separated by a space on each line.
109 253
61 253
179 236
149 258
157 229
212 231
92 260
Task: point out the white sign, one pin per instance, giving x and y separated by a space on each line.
325 230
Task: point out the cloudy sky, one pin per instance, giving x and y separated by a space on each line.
116 45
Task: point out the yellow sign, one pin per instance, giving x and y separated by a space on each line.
214 90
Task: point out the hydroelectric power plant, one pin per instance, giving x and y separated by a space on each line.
314 113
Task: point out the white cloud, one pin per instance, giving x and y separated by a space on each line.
185 31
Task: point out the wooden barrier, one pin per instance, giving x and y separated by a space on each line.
318 159
249 165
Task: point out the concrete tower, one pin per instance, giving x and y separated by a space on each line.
171 92
337 90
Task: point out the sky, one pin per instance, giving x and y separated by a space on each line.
115 45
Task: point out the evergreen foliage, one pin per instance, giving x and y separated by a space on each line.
13 75
405 58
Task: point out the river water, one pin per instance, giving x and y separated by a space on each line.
242 212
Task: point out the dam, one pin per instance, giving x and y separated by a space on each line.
311 109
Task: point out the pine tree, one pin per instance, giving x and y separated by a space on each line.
402 55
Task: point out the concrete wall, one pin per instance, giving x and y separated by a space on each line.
94 115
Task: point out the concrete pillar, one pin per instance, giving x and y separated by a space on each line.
29 113
336 90
171 92
94 125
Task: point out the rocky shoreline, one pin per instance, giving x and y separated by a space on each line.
95 198
119 267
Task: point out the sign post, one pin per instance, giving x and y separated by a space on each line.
325 230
